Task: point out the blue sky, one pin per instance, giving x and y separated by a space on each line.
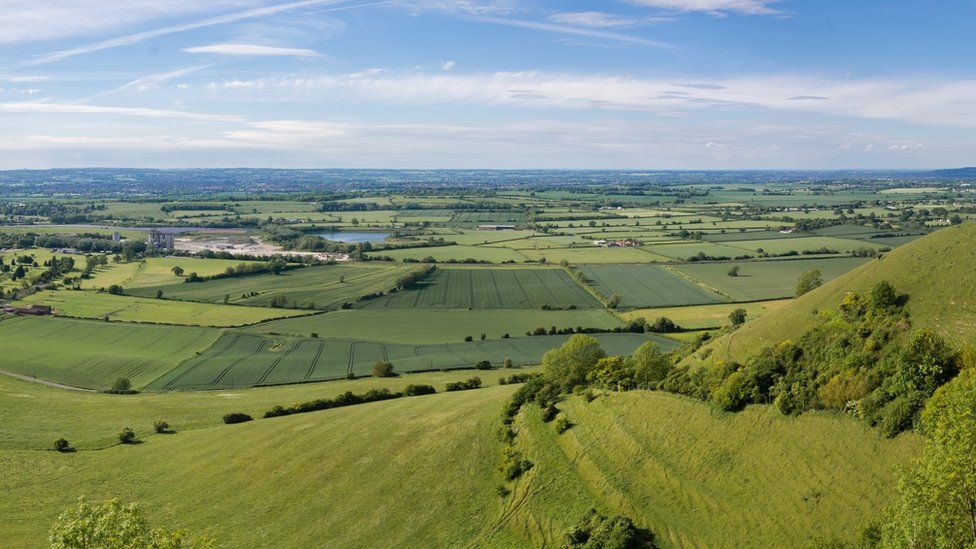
630 84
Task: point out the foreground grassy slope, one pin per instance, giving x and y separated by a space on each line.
701 478
420 472
936 271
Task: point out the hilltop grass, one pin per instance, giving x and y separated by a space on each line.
696 477
936 271
158 311
93 354
324 287
705 316
411 326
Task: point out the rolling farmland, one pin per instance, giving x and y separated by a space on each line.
479 288
647 286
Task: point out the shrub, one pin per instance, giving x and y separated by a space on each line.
663 325
62 445
734 271
483 365
473 383
383 369
562 424
808 281
112 524
507 363
468 339
127 436
115 289
417 390
161 426
237 417
598 531
549 413
512 464
121 386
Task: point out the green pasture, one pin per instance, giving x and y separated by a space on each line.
455 253
699 317
761 280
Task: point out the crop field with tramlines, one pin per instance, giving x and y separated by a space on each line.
247 360
492 289
647 286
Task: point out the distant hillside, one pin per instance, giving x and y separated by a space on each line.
936 271
956 173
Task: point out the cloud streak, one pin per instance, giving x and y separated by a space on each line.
135 38
253 50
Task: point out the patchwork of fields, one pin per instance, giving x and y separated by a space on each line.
531 288
247 360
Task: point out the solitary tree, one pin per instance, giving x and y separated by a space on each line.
382 369
808 281
113 525
737 317
177 270
734 271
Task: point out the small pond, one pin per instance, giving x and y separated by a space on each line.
353 237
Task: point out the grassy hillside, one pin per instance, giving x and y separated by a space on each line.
420 472
936 271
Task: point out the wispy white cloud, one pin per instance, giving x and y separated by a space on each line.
148 82
715 7
252 50
937 103
601 20
135 38
40 108
572 31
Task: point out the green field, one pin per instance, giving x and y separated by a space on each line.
761 280
324 287
785 245
683 251
154 271
248 360
433 325
454 253
647 286
593 255
93 354
479 288
86 304
698 317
